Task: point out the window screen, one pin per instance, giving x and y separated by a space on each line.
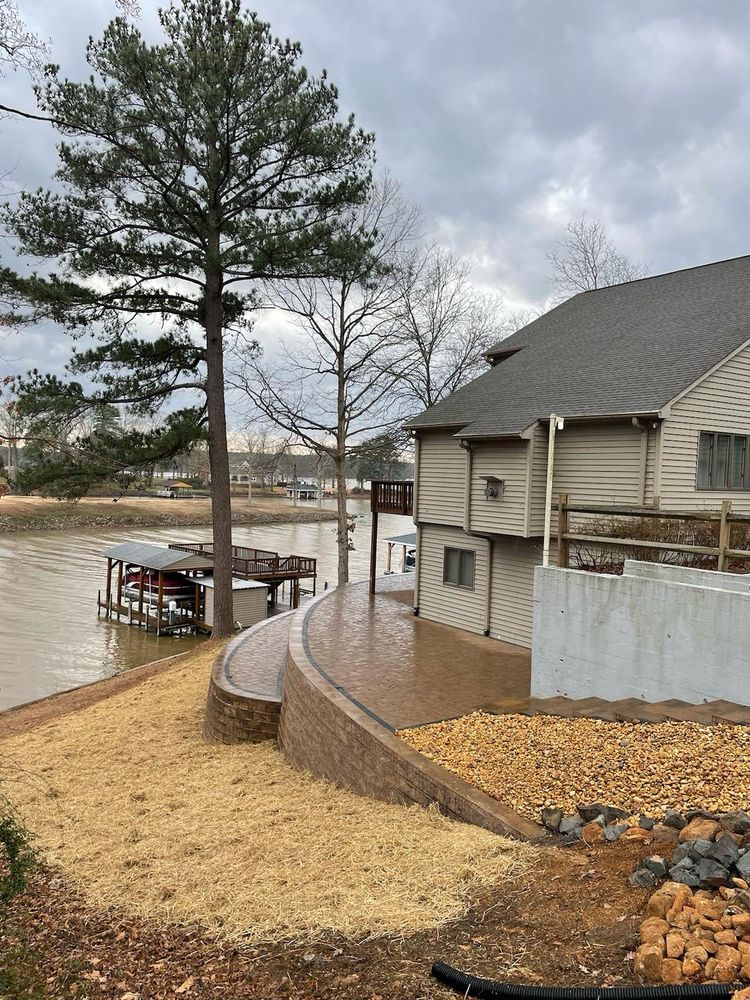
458 568
723 461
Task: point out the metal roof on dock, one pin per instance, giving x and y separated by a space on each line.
157 557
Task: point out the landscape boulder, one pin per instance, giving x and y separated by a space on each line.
700 827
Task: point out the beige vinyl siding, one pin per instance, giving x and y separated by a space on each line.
250 605
442 479
448 605
512 609
594 463
506 461
721 402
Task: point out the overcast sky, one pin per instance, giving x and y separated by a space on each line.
504 119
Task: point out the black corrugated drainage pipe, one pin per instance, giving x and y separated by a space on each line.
474 986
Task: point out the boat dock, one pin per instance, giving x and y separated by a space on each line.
170 590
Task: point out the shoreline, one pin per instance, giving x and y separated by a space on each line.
32 714
21 514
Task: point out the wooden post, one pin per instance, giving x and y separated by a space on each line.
725 530
388 557
196 602
563 526
373 547
140 591
119 587
159 602
108 597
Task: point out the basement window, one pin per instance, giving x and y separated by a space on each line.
458 568
723 461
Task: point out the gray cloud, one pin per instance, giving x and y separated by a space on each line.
506 118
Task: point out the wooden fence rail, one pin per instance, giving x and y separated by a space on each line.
724 518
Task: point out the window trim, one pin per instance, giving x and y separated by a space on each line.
714 446
461 552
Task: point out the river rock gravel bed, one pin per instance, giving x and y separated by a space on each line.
533 762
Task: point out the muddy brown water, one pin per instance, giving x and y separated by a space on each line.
50 637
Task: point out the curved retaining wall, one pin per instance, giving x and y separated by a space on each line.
235 714
324 732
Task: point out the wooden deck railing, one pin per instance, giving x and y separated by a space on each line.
392 497
253 564
724 518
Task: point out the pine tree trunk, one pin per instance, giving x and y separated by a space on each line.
342 532
218 457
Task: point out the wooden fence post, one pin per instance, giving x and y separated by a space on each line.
563 545
725 529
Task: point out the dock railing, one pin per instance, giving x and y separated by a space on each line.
257 563
724 518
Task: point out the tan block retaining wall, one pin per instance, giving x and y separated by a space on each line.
233 715
324 732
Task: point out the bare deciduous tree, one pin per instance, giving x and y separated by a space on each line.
447 323
20 48
336 381
586 259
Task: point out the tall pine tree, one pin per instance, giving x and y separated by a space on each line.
189 170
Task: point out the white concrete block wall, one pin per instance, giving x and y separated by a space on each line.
684 574
638 636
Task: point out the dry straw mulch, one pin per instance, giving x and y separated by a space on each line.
530 761
127 798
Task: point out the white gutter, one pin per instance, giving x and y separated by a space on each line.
555 423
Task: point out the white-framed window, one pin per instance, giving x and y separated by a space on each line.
458 567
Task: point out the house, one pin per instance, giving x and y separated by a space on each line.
652 380
303 491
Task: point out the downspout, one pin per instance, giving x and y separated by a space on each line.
643 428
415 518
475 534
555 423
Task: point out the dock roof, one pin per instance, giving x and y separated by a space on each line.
157 557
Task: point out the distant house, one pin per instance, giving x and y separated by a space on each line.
652 378
303 491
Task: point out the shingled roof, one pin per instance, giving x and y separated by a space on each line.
628 349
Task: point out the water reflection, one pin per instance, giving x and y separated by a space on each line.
50 636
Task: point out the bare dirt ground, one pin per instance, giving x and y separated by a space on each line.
573 920
42 514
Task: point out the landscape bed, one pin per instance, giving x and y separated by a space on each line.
529 762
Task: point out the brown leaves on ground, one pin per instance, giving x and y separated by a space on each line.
573 920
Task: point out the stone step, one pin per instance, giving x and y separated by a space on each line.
675 710
726 712
625 710
635 710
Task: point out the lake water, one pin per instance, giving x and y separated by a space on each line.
50 637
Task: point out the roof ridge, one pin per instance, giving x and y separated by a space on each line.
662 274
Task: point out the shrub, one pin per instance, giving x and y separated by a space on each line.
610 559
16 855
